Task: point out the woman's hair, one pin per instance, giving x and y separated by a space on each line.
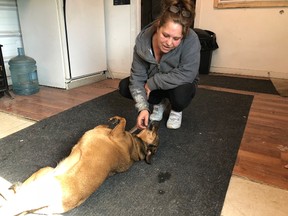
178 11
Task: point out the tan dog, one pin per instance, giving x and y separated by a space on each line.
99 153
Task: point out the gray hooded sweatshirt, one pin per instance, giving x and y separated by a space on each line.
177 67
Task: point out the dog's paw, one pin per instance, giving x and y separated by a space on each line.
114 121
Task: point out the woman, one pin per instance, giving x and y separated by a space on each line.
165 65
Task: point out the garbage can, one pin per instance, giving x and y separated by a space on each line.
208 44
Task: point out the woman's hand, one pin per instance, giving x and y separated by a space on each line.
143 119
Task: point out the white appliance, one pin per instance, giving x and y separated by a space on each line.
66 38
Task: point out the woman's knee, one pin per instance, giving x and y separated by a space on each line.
124 88
182 96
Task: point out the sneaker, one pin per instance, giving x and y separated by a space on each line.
158 111
175 119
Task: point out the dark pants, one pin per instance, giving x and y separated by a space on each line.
179 97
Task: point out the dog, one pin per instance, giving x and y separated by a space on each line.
100 153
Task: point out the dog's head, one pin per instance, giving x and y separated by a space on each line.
150 139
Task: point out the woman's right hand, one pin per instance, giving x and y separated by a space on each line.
143 119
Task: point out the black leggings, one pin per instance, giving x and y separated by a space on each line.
179 97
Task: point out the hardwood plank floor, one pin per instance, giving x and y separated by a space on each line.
263 153
50 101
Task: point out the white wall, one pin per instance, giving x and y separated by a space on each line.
251 41
122 26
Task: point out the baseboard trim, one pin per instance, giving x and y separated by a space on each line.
70 84
248 72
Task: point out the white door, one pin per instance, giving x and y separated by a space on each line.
86 37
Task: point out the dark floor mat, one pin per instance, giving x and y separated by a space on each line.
189 175
239 83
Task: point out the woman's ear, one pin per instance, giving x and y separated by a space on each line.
157 24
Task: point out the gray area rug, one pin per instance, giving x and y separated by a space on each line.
239 83
189 175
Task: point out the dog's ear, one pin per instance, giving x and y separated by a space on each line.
151 150
148 157
154 126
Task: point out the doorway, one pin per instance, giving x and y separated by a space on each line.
150 10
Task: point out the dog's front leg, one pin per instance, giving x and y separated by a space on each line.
120 127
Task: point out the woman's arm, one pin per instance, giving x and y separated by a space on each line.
138 78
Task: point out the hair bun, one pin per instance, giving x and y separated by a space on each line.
187 4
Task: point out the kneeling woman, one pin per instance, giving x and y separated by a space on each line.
165 65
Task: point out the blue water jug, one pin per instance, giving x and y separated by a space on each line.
23 74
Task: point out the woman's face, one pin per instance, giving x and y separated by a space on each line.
169 36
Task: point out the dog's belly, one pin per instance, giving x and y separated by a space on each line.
44 194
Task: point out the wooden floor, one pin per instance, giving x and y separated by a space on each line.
263 154
50 101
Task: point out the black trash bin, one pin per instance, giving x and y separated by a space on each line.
208 44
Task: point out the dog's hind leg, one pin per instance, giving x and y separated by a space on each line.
41 172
